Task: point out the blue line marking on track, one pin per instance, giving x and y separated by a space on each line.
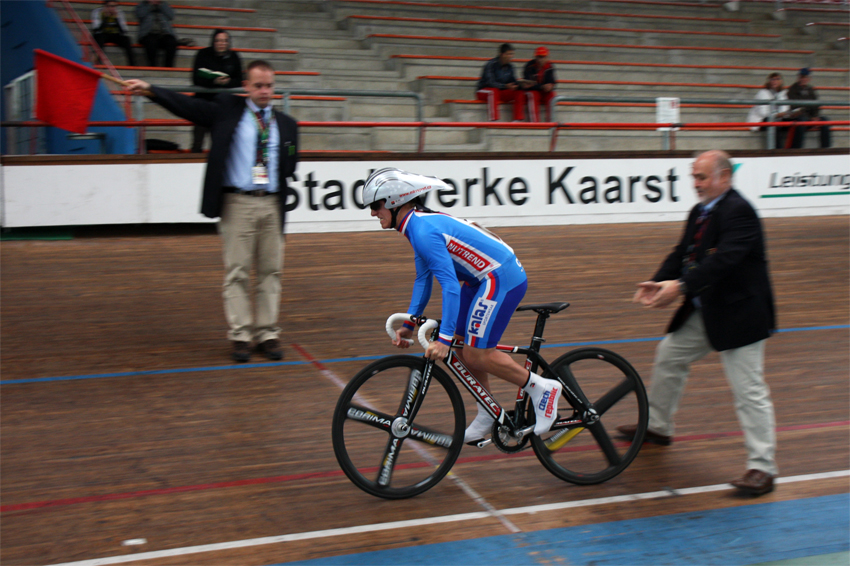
743 535
339 360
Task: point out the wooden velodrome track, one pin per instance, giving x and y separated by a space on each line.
151 433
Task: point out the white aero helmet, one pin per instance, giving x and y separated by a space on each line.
397 187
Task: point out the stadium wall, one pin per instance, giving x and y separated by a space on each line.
494 191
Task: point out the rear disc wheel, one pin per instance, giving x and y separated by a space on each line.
586 453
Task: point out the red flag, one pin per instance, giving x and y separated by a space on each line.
64 92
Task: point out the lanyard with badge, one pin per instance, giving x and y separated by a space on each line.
260 171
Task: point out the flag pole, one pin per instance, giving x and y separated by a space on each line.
122 83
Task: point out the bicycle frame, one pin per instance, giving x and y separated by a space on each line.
533 362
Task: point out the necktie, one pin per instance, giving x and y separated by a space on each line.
262 137
701 223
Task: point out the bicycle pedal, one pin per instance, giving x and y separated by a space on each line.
480 443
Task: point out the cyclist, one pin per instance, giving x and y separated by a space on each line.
482 283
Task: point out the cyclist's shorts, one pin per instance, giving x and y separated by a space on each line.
486 309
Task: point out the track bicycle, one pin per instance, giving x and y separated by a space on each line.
398 426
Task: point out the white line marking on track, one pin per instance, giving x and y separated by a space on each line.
428 521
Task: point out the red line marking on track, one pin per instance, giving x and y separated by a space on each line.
334 473
306 355
165 491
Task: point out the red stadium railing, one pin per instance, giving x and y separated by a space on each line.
422 127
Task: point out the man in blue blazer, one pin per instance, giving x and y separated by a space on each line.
720 268
254 150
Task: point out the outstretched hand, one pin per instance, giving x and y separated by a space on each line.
137 86
657 294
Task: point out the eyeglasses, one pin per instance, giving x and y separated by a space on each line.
376 206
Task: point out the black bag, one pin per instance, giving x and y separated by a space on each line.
153 144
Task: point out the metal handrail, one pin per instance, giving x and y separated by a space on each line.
553 126
422 126
771 130
287 92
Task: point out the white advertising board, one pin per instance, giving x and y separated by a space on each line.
325 195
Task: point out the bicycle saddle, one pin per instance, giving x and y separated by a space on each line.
545 308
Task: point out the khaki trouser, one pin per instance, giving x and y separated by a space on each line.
744 369
249 228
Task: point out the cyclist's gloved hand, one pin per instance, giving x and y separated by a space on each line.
401 336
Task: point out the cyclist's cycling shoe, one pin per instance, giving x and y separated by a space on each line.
478 428
544 394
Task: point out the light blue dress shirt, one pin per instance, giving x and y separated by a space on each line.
243 151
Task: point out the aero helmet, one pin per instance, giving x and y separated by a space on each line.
397 187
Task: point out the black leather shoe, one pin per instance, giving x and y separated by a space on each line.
271 349
754 482
629 431
241 351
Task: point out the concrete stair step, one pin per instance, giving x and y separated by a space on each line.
390 46
362 63
310 41
411 69
363 28
340 10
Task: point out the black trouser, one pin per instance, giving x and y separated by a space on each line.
198 134
152 42
781 132
800 132
120 40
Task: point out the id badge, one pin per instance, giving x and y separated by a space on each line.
259 175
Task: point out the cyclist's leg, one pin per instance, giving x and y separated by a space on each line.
489 313
484 321
483 422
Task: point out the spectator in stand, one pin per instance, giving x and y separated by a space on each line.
802 90
539 84
498 84
773 90
109 26
155 31
216 66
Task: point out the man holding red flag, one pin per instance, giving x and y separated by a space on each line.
254 151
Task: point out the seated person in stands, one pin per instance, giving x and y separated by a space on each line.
498 84
773 90
216 66
539 84
109 26
802 90
155 31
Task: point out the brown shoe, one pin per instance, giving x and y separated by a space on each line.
271 349
629 432
754 482
241 351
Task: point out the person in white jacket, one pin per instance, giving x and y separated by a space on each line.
773 90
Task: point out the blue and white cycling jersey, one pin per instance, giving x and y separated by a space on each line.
454 251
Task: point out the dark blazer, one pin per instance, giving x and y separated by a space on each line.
222 115
730 276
